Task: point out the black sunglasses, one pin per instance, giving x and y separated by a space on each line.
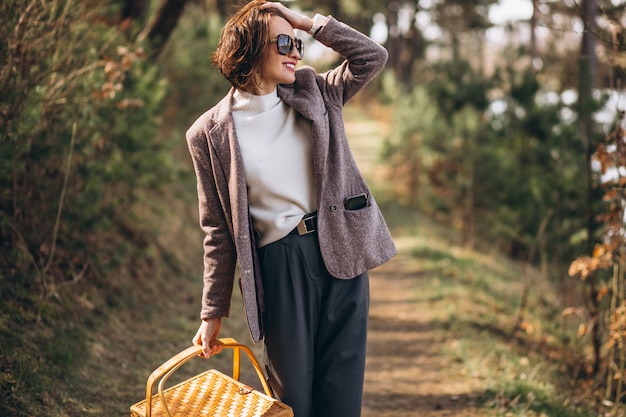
285 44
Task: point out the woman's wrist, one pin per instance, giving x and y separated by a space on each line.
306 24
317 23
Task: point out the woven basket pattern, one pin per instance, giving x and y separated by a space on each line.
213 394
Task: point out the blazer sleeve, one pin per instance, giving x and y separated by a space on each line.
219 248
364 59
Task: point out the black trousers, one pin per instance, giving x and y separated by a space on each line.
315 330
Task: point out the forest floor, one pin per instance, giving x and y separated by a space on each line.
408 374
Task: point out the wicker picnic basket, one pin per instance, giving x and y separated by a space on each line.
210 393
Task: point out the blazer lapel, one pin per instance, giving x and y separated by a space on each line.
223 138
222 133
303 102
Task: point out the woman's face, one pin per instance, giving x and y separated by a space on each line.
276 68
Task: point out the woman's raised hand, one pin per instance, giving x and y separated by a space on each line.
296 20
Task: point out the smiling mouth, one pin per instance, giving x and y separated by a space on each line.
290 65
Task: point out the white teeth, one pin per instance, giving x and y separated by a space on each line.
292 66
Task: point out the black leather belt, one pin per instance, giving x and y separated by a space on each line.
307 225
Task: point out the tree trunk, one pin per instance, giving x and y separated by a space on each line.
162 25
533 35
393 38
587 70
134 9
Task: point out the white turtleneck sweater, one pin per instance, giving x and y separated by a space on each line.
275 143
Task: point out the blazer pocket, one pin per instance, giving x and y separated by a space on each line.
358 223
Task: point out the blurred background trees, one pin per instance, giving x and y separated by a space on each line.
497 124
499 138
78 145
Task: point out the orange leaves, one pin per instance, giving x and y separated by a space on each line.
569 311
527 327
605 156
115 71
129 104
602 292
585 265
611 156
616 326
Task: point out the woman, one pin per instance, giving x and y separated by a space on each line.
280 193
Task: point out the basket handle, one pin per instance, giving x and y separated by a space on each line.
163 372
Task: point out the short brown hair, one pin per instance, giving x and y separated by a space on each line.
244 40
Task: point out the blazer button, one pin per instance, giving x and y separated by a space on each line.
334 207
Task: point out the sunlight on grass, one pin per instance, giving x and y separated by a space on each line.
475 299
515 355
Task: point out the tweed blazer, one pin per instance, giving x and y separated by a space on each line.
351 242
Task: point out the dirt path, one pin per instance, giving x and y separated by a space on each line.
406 375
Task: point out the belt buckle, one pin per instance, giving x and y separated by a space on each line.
303 229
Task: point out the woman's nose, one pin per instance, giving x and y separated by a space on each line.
294 53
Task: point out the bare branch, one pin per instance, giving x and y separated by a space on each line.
57 221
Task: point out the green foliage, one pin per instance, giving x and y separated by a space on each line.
503 159
512 176
461 86
80 155
80 144
186 61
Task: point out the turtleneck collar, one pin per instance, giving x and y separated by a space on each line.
250 103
